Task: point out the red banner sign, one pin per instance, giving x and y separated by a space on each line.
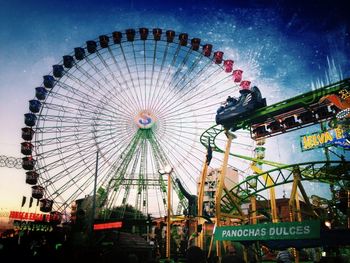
24 216
108 225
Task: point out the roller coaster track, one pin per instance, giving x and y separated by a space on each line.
330 172
210 136
295 106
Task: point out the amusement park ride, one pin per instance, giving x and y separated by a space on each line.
327 103
142 102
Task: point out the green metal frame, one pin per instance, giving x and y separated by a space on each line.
135 150
304 100
330 172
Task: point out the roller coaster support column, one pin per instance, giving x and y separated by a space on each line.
254 220
269 182
294 205
200 200
220 187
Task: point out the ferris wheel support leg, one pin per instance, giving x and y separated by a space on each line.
92 219
220 187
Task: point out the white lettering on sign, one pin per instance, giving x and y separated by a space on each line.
253 232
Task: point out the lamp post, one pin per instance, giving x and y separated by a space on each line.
168 170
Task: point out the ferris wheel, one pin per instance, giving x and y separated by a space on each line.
120 108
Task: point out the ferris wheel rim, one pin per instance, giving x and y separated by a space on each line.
170 110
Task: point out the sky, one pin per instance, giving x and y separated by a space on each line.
288 46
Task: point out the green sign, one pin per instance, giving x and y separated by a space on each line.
334 137
270 231
32 226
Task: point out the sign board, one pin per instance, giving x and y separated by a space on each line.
269 231
110 225
333 137
32 226
25 216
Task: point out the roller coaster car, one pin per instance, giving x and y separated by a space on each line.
237 109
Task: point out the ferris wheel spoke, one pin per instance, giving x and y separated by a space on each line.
180 67
149 100
138 74
107 83
112 73
176 89
122 75
194 100
52 166
156 90
80 182
145 75
174 157
189 95
56 165
90 87
79 177
110 95
191 71
136 98
166 77
80 111
84 97
69 145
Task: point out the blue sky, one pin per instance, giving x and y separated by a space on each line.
287 46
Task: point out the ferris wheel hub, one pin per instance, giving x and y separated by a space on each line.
145 119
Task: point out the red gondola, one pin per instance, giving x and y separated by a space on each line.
237 75
228 64
55 217
218 55
207 48
26 148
